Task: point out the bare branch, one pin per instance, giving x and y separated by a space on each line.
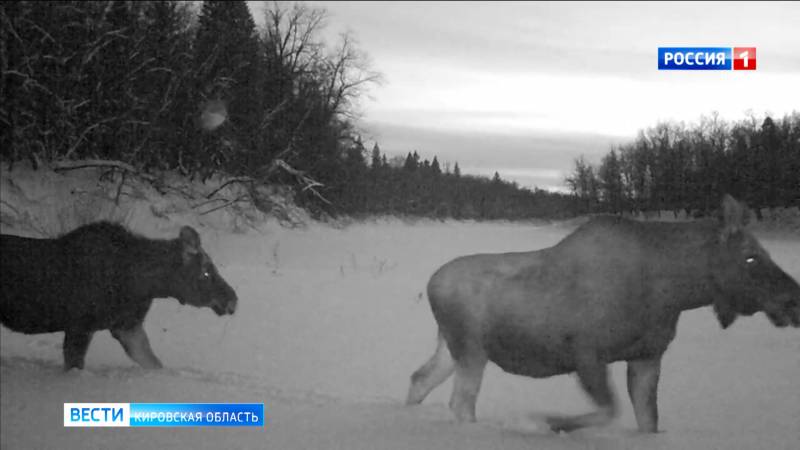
308 183
229 182
83 135
60 166
242 197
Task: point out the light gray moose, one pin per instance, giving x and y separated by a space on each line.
610 291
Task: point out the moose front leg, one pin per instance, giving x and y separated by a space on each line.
643 388
137 346
593 376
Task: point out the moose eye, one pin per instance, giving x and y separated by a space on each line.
750 260
206 274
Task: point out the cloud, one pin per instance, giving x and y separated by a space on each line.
521 103
532 85
617 38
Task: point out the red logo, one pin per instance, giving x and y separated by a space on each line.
744 58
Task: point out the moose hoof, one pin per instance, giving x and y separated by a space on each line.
562 424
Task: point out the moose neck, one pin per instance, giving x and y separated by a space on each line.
154 264
685 253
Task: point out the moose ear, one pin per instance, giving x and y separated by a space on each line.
733 216
725 313
190 241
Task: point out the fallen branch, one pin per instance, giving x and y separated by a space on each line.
60 166
308 183
225 205
207 202
229 182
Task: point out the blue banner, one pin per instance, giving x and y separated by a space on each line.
163 414
197 415
695 58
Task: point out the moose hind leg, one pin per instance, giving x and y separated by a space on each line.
467 383
433 373
76 343
643 388
137 346
593 376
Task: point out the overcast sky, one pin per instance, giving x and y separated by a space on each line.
524 88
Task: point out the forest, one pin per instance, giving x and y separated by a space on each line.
160 86
675 166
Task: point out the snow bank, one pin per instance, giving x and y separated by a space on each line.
46 203
330 325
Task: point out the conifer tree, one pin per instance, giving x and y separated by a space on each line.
411 162
435 169
376 157
229 66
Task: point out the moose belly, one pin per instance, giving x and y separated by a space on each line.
530 356
546 351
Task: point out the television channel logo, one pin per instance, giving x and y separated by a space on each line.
707 58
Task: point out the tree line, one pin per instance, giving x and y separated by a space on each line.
159 86
675 166
413 186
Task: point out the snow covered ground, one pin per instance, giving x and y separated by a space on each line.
332 322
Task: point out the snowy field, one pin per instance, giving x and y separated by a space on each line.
332 322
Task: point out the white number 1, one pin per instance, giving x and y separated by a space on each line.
744 56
